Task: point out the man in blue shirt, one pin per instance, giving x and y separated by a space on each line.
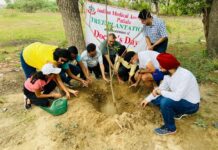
155 32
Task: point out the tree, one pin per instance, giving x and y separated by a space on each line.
156 6
210 20
72 22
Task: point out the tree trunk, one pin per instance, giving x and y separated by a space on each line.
206 14
72 22
156 7
212 33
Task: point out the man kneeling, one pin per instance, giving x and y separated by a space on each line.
177 95
93 61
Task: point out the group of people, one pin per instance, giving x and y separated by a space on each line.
175 91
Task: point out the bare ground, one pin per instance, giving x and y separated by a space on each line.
92 122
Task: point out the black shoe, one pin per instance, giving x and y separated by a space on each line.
163 131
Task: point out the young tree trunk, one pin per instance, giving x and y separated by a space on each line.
72 22
212 31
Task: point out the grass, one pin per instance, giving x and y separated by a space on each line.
18 29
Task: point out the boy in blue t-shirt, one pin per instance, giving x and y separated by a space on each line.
70 71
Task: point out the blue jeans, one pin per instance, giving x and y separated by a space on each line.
169 108
74 69
28 70
157 76
162 47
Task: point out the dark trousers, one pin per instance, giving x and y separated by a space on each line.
75 69
106 64
40 101
162 47
28 70
123 73
96 70
169 108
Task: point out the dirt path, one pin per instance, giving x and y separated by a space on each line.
91 125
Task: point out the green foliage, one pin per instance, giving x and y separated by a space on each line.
201 123
139 6
98 1
169 7
188 7
182 7
33 5
50 6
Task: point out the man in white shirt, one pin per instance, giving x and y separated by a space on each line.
149 70
177 95
93 61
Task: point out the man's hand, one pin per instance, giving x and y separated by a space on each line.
89 79
133 85
68 95
130 81
151 47
106 80
115 72
120 81
156 92
112 68
144 103
74 92
85 83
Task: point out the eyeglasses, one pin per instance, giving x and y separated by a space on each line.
63 60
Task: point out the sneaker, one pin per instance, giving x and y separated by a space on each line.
179 116
163 131
26 105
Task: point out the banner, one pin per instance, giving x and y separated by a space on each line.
122 22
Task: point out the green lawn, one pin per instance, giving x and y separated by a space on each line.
18 29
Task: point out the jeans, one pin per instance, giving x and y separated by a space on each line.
28 70
162 47
157 76
74 69
40 101
169 108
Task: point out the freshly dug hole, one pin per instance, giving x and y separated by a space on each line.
126 100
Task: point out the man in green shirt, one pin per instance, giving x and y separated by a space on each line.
113 47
